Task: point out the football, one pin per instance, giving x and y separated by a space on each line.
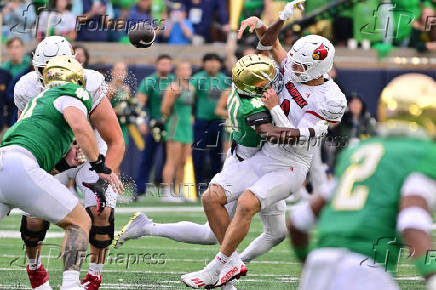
142 35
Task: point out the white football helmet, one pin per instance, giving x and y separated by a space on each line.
48 48
315 53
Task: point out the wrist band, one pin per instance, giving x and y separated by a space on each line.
259 24
99 166
260 46
304 132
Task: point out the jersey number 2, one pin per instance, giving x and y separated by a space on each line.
363 165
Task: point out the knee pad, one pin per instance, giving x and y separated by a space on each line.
32 238
101 230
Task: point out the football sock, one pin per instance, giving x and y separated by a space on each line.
70 278
34 264
186 232
95 269
218 263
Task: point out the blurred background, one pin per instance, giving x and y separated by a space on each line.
375 40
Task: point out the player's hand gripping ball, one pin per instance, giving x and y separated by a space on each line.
142 35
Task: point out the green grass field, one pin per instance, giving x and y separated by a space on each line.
158 263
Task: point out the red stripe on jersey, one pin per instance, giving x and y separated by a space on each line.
318 116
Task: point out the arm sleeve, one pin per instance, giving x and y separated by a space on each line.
280 119
64 102
258 118
421 185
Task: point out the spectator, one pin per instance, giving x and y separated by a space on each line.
119 95
17 61
93 19
5 79
209 85
139 12
422 38
178 28
82 55
356 124
177 108
11 114
202 14
62 22
150 94
19 17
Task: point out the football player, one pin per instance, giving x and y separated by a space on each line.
251 75
377 206
36 143
274 172
107 131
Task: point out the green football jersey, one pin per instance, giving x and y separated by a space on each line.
239 108
362 214
42 129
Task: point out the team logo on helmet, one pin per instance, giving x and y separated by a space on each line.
320 53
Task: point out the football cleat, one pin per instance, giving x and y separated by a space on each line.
135 228
38 278
207 278
91 282
234 269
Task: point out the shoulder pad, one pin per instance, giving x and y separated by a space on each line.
96 86
333 106
93 80
27 87
259 118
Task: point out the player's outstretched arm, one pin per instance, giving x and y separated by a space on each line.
254 24
269 40
105 121
82 131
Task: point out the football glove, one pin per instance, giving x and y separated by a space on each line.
99 166
99 188
288 11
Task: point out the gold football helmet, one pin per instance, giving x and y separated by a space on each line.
408 103
253 74
63 69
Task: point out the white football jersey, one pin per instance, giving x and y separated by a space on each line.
30 85
304 106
